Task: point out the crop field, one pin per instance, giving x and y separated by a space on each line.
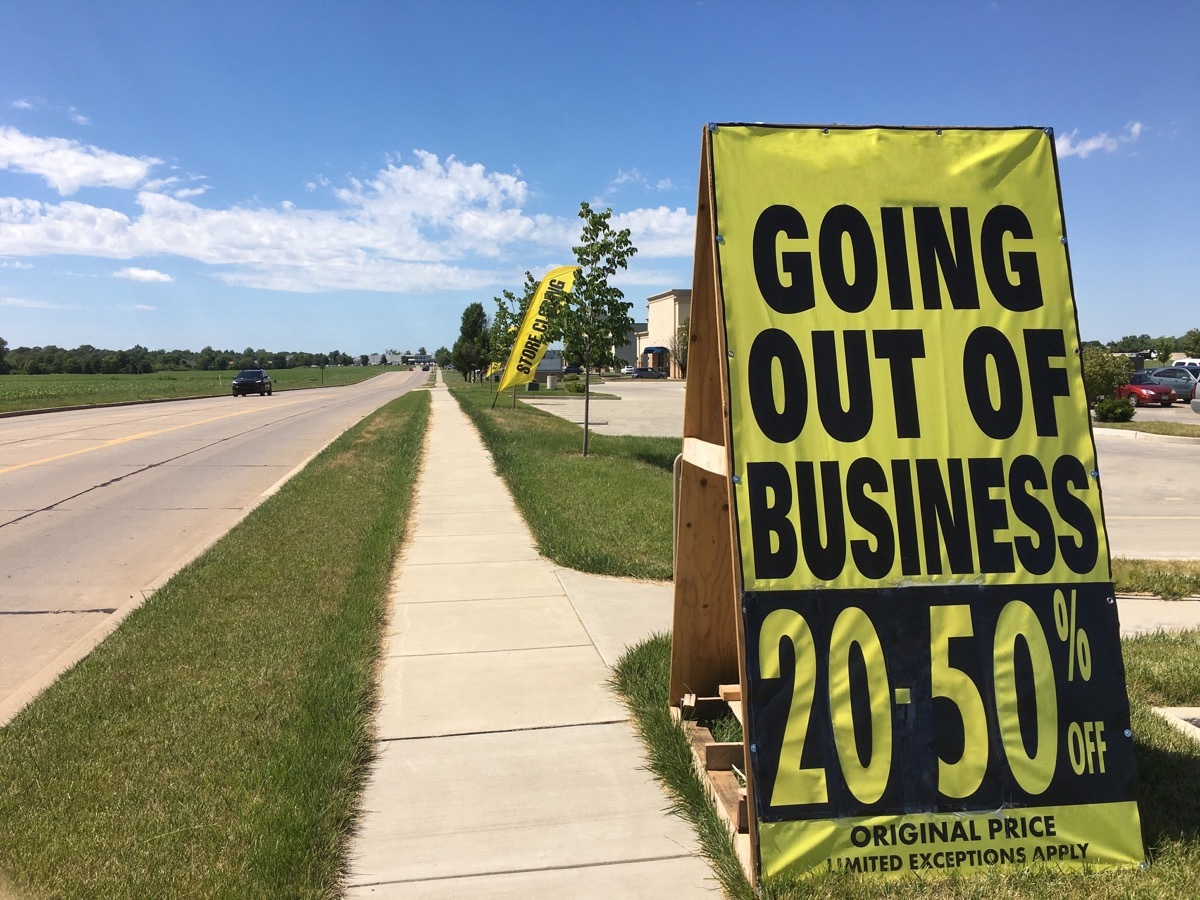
18 392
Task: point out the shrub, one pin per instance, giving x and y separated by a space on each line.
574 387
1103 373
1113 409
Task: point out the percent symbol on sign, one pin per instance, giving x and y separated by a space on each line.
1076 638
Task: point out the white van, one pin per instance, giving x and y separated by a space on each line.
1186 362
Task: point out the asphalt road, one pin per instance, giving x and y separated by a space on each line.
99 507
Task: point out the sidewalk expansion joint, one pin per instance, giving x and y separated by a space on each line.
556 595
457 734
563 868
56 612
402 655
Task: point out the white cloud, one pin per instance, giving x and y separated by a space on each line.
34 304
142 307
659 232
21 104
69 165
1071 145
14 264
635 177
145 275
426 224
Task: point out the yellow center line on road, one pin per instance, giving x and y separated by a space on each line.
137 437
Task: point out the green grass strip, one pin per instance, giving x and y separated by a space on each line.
216 743
1162 670
609 513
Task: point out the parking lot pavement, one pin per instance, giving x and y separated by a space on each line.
648 408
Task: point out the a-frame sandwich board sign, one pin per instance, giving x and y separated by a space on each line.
890 533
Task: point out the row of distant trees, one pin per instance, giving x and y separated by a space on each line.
138 360
1162 346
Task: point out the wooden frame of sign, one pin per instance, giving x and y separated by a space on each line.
969 571
706 674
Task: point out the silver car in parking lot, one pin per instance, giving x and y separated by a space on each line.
1180 379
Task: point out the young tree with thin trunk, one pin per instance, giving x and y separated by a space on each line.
594 318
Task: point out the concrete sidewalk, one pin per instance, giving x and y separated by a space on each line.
506 767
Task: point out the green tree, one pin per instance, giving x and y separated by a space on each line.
3 356
1190 343
679 345
1131 343
1103 372
506 323
470 350
1163 347
594 317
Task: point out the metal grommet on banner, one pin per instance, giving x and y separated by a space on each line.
720 238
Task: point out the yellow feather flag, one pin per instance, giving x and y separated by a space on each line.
492 370
531 341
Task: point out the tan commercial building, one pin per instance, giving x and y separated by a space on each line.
657 345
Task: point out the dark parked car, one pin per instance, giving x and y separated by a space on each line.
252 381
572 370
1142 391
647 373
1180 379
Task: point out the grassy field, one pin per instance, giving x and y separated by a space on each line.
215 745
18 392
578 509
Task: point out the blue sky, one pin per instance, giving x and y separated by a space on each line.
316 176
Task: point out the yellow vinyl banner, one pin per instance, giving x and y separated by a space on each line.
531 341
933 672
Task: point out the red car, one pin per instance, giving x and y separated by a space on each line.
1142 391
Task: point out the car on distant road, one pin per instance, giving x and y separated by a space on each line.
572 370
640 372
627 370
252 381
1180 379
1143 391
